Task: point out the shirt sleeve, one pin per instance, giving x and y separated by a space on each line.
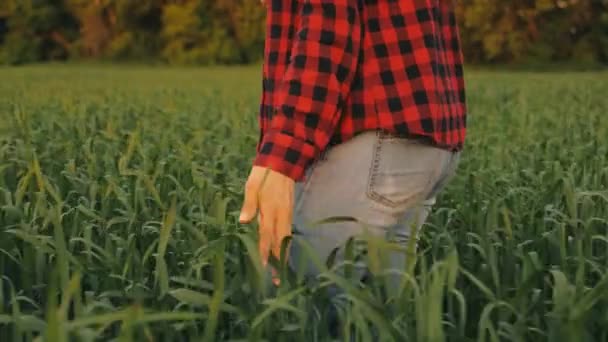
318 78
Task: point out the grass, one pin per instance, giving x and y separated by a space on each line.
120 190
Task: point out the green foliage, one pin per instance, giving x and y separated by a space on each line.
184 34
523 31
35 32
197 32
232 31
135 29
119 198
16 50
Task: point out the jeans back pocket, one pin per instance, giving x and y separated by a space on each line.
402 171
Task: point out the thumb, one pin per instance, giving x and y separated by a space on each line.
250 204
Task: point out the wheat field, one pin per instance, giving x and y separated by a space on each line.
120 189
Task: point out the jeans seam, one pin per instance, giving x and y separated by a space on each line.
371 179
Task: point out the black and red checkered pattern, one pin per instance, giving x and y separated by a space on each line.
335 68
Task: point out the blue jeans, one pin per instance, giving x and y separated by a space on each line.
385 184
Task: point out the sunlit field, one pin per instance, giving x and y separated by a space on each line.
120 189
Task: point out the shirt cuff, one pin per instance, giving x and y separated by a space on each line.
285 154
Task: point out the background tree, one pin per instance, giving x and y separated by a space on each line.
232 31
36 31
523 31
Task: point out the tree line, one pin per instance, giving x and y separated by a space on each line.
204 32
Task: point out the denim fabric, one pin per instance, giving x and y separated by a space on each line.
386 185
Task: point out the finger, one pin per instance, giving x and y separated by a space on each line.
282 229
276 280
250 203
266 235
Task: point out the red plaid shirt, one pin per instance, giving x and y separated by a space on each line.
335 68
